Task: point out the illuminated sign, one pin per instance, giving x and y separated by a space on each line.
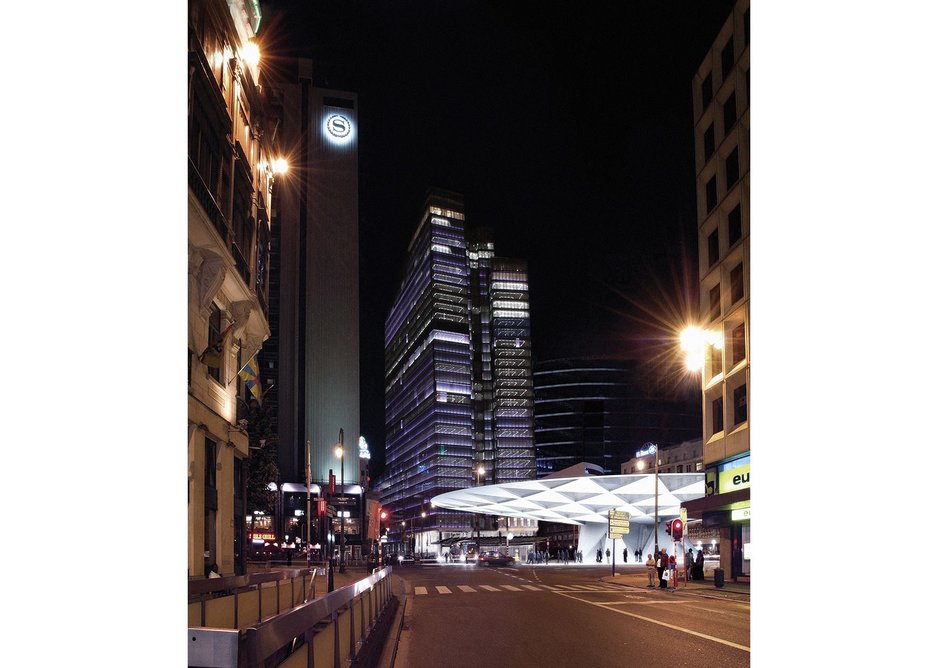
338 128
363 452
261 535
740 514
737 478
649 449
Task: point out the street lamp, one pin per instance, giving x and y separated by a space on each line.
340 453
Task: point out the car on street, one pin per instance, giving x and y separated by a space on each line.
494 558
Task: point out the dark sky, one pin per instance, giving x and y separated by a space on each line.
567 126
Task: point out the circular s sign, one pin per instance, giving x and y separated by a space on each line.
338 128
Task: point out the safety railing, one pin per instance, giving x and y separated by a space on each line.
326 631
241 600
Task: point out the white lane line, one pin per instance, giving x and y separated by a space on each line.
420 591
511 588
532 587
443 590
659 623
490 588
467 589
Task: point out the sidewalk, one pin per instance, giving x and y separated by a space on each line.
633 577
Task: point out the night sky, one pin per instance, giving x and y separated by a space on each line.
567 126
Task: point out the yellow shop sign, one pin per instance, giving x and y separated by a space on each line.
734 479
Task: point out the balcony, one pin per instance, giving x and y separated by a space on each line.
204 197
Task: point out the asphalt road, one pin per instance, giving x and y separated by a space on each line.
458 615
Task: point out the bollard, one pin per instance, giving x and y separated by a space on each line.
718 577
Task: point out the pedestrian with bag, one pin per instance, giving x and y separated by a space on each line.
662 566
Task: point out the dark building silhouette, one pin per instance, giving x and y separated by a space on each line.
598 411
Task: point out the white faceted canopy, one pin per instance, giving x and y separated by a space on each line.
580 500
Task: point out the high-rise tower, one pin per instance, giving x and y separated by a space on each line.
458 388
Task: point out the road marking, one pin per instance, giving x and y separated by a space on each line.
489 587
467 588
510 588
420 591
531 587
665 624
443 590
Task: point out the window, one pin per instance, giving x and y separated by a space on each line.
729 113
716 361
727 58
211 358
709 142
735 221
706 91
713 247
732 168
717 410
715 302
739 405
736 283
211 453
711 193
739 343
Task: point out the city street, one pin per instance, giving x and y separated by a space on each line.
460 615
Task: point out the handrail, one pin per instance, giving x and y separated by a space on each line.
262 640
208 586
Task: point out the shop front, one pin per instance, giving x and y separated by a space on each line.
723 528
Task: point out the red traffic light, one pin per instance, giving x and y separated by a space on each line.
677 529
384 514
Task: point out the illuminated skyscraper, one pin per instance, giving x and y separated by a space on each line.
458 387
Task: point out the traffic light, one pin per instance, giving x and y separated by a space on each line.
677 529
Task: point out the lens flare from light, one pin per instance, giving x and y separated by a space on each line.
694 344
251 54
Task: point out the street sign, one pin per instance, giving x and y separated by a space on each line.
684 515
343 500
618 523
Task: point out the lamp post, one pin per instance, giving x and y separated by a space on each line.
479 473
651 449
340 453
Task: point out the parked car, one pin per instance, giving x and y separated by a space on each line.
493 558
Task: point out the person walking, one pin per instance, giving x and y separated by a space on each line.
650 568
662 565
608 553
625 555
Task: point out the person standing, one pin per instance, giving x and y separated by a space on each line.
608 553
672 574
650 568
625 555
661 565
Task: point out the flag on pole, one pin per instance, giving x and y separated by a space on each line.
211 356
251 376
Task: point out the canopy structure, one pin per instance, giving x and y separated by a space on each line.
581 500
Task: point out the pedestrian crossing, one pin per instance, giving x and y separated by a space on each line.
442 590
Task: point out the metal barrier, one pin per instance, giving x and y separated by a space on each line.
299 635
229 596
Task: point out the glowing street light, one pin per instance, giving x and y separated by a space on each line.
340 452
694 343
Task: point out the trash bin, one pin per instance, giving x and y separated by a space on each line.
718 577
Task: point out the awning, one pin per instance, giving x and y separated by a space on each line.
697 507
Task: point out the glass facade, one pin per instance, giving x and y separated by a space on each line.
458 390
599 411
